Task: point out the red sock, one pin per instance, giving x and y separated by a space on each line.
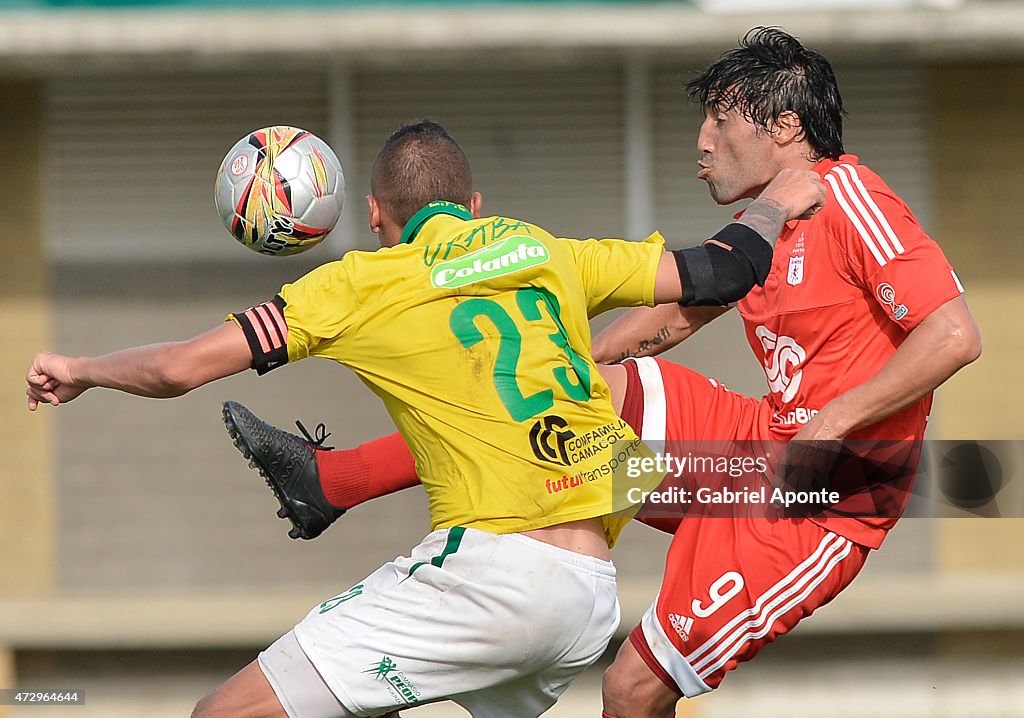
351 476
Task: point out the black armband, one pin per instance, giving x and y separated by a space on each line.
266 332
713 276
750 244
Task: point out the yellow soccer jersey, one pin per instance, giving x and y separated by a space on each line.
476 336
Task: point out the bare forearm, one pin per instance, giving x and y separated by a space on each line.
155 370
143 371
169 369
648 331
766 217
634 334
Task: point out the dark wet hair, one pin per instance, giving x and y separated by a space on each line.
771 73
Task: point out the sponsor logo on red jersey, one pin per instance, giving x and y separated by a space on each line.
782 359
681 625
887 296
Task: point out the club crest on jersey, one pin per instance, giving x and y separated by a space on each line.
887 295
796 270
795 275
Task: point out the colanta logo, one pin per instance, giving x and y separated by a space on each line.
509 255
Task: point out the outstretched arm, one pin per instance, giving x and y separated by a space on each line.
728 265
694 286
648 331
155 370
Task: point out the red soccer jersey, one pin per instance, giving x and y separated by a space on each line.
845 289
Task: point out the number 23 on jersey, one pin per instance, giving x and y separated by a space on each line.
532 304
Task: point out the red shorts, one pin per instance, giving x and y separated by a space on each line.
731 585
669 401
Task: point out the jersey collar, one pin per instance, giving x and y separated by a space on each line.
416 222
823 167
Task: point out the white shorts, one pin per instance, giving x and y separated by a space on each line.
500 624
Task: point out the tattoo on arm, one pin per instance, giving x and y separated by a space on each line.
766 217
645 345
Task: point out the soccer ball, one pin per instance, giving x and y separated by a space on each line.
280 190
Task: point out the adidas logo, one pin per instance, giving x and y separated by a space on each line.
681 625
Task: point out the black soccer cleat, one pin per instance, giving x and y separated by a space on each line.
288 465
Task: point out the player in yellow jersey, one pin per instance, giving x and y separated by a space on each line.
474 332
505 354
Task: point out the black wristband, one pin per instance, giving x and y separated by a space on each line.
697 275
751 245
266 332
713 275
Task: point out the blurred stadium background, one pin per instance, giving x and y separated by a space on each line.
141 560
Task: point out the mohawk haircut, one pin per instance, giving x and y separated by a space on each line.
419 163
771 73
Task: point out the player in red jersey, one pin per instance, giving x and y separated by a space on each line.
859 320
